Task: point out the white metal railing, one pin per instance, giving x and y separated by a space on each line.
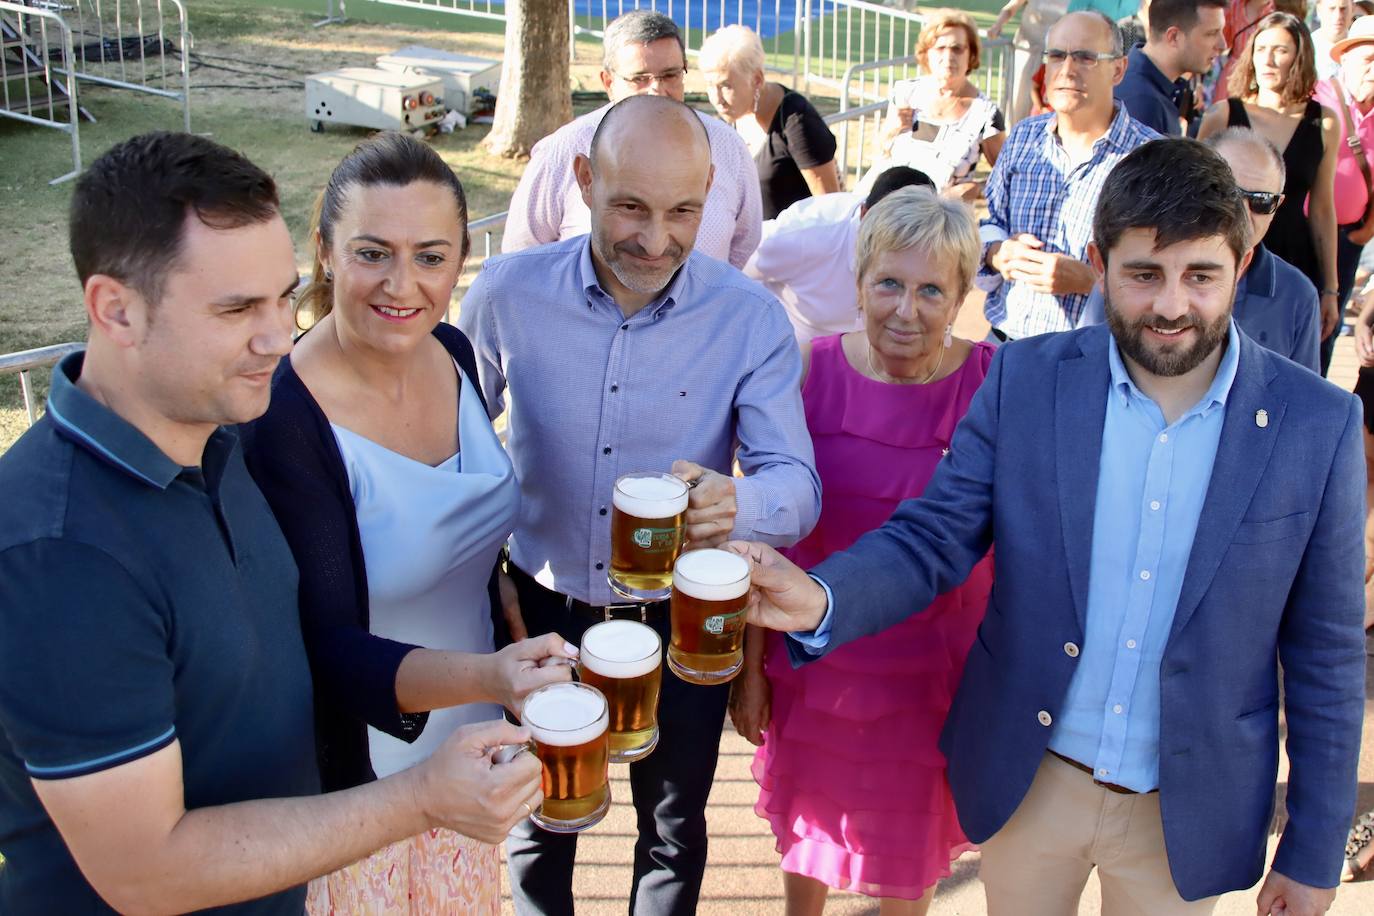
25 361
125 44
29 38
816 41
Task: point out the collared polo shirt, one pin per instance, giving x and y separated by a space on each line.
141 602
1148 94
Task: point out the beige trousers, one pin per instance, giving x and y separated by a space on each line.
1066 826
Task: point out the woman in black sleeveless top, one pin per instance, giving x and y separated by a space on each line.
1271 92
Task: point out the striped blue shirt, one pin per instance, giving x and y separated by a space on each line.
709 372
1036 188
1152 481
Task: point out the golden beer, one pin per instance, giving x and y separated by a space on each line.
623 659
647 509
567 722
710 591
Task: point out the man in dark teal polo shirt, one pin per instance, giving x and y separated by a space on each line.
1184 36
156 741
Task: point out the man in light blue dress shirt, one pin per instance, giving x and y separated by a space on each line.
1176 511
628 351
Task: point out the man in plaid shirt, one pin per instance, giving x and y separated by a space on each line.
1044 188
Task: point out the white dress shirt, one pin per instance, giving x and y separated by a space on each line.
807 259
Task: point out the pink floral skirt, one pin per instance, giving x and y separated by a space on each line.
438 871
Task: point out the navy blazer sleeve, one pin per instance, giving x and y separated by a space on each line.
292 454
1321 647
930 544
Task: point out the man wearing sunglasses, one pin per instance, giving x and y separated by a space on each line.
1044 188
643 54
1276 304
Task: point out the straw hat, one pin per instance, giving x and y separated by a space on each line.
1361 33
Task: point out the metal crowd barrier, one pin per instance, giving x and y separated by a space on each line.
125 44
26 361
817 41
31 88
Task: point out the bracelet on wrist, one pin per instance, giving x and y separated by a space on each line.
1330 292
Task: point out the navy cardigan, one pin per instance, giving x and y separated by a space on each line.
293 455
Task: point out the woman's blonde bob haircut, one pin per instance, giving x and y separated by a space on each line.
940 21
734 48
917 217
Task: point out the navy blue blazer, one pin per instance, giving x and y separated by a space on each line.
1276 575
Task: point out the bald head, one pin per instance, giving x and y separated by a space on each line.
1258 169
645 181
1084 22
653 122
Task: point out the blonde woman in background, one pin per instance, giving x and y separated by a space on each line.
793 148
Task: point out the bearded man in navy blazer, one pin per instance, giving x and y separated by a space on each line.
1177 513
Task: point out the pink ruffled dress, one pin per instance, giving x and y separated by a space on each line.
850 777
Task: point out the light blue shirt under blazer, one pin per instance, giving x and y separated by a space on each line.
709 372
1152 481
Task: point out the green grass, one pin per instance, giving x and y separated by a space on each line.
40 299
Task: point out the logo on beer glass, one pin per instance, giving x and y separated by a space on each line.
710 591
568 727
646 534
623 659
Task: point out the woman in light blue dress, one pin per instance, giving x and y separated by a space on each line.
396 496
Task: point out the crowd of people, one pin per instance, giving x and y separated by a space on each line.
274 591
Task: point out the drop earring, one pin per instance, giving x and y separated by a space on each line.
329 276
949 336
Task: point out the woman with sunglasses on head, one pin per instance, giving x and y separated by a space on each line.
1271 91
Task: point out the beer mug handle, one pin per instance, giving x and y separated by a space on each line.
508 752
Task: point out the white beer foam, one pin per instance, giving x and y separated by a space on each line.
620 649
565 716
650 497
711 575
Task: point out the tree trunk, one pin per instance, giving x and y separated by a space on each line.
534 99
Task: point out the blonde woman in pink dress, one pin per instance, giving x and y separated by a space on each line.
850 777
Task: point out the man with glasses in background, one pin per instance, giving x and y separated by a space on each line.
1276 305
1044 188
643 54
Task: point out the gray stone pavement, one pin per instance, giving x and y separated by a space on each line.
742 876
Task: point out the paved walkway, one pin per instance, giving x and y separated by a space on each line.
743 877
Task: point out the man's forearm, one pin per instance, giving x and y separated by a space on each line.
230 853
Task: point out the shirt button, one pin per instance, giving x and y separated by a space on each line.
602 511
1130 644
1163 437
615 388
1117 709
606 450
601 566
1104 772
1070 650
1144 573
624 327
1154 503
1044 718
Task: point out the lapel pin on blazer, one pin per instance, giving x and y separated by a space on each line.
1261 418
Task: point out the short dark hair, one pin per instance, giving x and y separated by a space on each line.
899 176
638 27
129 208
1179 14
1178 187
387 158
